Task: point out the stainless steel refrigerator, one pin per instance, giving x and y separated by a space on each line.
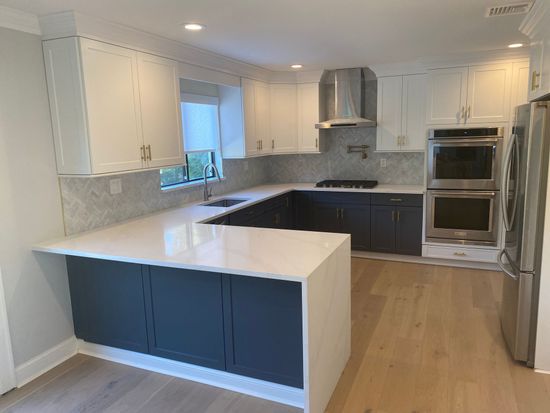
523 193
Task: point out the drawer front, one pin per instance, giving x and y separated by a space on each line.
341 197
461 253
398 199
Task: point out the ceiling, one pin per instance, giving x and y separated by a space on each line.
320 34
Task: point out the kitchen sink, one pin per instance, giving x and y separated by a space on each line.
225 202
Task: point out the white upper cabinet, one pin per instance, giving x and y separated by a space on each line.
261 104
520 86
283 118
536 80
489 93
469 95
103 120
401 113
251 141
446 93
308 116
160 110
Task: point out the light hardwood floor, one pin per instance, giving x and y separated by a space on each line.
424 339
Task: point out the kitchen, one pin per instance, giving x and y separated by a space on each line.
199 203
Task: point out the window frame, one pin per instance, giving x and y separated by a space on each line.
186 174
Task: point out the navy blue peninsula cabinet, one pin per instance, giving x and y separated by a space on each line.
244 325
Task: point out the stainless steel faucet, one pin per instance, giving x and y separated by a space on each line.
207 193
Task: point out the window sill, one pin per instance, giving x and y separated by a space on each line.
188 185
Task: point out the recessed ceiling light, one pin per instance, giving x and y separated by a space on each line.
296 66
515 45
194 27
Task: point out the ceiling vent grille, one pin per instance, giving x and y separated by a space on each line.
508 9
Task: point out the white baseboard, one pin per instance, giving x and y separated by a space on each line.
253 387
424 260
40 364
542 371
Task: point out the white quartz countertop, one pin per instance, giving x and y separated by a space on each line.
177 238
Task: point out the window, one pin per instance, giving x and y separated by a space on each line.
201 131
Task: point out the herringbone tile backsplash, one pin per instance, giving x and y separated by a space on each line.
88 204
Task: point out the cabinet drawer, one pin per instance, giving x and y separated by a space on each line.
460 253
398 199
341 197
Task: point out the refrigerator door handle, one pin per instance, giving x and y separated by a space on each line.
504 267
505 183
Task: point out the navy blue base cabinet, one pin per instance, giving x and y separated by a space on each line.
108 303
263 321
397 224
245 325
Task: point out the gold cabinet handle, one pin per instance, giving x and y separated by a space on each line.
462 113
398 216
316 142
272 143
469 113
396 200
535 76
143 154
393 216
149 152
459 254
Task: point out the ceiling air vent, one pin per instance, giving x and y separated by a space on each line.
508 9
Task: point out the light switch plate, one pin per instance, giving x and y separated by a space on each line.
382 163
115 186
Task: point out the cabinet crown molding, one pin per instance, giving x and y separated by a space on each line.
19 20
533 22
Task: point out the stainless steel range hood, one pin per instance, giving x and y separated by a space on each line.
348 97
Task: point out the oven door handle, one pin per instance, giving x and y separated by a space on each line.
504 267
463 194
465 142
506 182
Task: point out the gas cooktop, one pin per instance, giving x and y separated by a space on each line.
349 183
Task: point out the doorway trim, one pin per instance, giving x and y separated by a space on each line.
7 369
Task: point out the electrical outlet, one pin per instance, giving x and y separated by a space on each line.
115 186
382 163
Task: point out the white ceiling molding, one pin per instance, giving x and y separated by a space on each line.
192 72
530 24
486 57
19 20
71 23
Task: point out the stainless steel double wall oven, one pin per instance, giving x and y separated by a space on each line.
463 185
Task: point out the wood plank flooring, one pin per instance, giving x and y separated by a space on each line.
424 339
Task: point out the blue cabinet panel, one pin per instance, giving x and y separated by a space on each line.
185 316
108 302
263 324
408 235
383 228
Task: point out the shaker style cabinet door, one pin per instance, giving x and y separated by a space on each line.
413 125
160 110
283 118
308 116
110 76
446 96
252 146
489 93
408 231
383 228
388 130
262 109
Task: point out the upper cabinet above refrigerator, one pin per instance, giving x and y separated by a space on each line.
469 95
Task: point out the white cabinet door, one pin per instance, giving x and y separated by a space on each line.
520 86
283 118
536 81
413 128
261 105
252 146
111 86
446 96
160 110
389 110
489 93
308 116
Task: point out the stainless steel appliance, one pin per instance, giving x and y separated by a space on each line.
346 183
462 217
525 173
465 158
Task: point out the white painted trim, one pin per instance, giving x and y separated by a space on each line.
424 260
542 371
7 370
246 385
40 364
19 20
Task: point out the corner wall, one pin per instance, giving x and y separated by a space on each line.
36 286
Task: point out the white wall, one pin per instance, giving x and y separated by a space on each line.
36 286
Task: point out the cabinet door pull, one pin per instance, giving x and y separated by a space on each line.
149 152
398 216
462 113
272 143
337 213
393 216
396 200
459 254
469 112
143 155
341 213
316 142
534 80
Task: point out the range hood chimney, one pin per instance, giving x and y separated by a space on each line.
349 98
